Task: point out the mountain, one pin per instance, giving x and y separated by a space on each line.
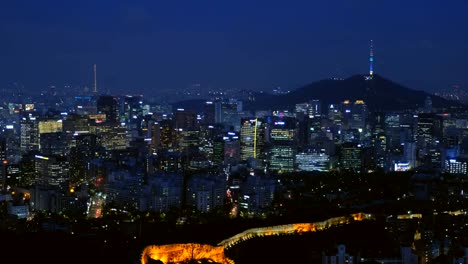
380 94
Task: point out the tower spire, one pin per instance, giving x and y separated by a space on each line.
371 59
95 80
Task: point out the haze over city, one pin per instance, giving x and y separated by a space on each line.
151 46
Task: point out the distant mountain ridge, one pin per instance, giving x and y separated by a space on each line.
379 94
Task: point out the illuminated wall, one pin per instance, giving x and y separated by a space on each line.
176 253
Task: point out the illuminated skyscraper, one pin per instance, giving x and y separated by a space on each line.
252 137
29 134
226 149
429 129
283 139
315 109
350 157
131 108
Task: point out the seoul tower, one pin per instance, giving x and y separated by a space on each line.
371 59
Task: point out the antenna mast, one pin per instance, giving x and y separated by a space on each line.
95 79
371 59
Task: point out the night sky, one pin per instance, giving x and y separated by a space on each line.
149 46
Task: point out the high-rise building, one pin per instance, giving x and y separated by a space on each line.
283 144
54 144
350 156
29 134
185 119
131 108
168 135
209 112
429 129
112 137
335 115
228 113
51 170
108 105
456 166
81 154
312 161
392 131
226 149
354 114
315 109
50 126
252 138
303 108
85 105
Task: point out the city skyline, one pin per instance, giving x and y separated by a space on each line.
150 47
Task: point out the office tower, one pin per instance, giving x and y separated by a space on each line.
457 166
85 105
335 115
226 149
168 135
283 144
51 170
359 115
131 108
50 126
53 144
429 129
354 114
303 108
315 109
108 105
81 154
312 160
252 138
188 141
185 119
209 112
393 131
29 134
350 157
74 123
228 114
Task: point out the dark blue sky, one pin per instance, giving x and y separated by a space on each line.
146 46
